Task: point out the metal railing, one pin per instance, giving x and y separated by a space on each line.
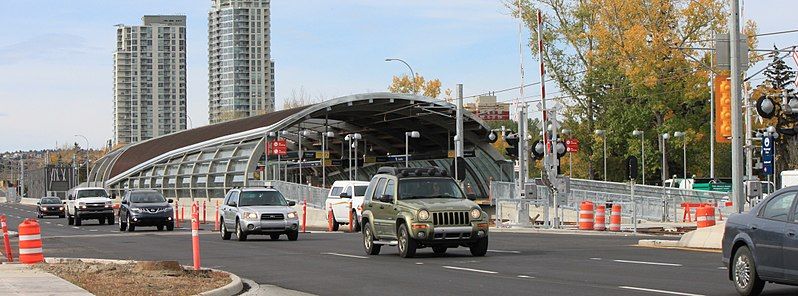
316 196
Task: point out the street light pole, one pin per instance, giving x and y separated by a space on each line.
408 135
664 175
87 158
684 153
324 137
642 152
413 74
348 138
737 195
356 137
603 135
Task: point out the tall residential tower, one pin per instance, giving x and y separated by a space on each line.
150 78
240 69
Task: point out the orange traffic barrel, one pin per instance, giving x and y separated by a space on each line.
705 216
615 218
30 242
601 218
586 216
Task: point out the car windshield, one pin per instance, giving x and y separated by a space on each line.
92 193
261 198
360 190
51 200
146 197
429 188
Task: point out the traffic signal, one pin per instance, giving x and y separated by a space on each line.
512 145
560 148
537 150
723 112
765 107
631 167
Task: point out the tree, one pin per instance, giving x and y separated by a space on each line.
403 85
779 87
301 98
625 65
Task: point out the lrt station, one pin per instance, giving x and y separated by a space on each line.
347 138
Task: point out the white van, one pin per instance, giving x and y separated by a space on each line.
341 193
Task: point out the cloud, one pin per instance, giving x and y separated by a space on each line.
47 47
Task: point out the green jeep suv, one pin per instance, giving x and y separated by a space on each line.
421 207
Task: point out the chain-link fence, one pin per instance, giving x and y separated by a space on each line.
298 192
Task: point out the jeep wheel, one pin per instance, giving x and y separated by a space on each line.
407 245
480 247
744 275
368 240
293 235
240 235
274 236
439 250
70 220
130 226
223 230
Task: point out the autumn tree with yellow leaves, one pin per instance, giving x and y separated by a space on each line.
403 84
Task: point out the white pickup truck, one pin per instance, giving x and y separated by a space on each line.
85 203
341 193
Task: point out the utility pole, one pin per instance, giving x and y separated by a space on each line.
711 113
737 195
459 136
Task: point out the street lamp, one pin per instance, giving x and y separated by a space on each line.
87 157
413 74
684 152
603 135
350 138
408 135
324 137
665 137
636 133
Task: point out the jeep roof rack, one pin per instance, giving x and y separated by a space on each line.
433 171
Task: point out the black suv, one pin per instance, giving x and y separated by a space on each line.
145 208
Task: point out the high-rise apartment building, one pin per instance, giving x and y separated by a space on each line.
240 69
150 78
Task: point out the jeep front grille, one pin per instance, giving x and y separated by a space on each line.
450 218
271 217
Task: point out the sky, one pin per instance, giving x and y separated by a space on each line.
56 56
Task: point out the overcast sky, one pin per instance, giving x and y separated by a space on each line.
56 56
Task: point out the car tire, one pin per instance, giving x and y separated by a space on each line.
480 247
78 221
70 220
101 221
407 245
61 216
439 250
39 216
744 275
355 227
223 230
159 227
110 220
122 225
170 226
274 236
240 234
130 226
293 235
335 224
368 240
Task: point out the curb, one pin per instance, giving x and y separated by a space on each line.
658 243
625 233
233 288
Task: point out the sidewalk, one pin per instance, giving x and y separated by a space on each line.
18 279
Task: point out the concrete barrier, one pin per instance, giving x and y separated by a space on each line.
704 238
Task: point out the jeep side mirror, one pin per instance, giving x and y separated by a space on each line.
386 198
345 195
471 196
291 203
170 200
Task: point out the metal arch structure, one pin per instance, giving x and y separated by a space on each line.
207 161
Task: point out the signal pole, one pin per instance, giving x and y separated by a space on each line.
736 121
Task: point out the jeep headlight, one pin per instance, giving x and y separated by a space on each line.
250 216
423 215
292 215
476 213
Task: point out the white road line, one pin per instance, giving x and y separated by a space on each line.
648 263
504 251
47 222
658 291
469 269
722 268
60 224
525 276
595 258
419 263
346 255
75 227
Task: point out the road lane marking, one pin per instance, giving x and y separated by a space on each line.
648 263
504 251
419 263
658 291
722 268
595 258
75 227
346 255
60 225
469 269
525 276
48 222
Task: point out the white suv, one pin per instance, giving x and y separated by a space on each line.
89 203
341 193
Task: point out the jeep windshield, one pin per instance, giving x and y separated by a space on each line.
146 197
92 193
261 198
418 188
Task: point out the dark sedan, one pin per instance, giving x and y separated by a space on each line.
761 245
50 206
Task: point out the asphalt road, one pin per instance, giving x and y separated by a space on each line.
335 264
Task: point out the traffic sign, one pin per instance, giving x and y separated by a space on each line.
767 155
572 145
323 154
277 147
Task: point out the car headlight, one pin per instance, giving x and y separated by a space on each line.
423 215
476 213
135 210
61 208
250 215
43 208
108 204
81 205
292 215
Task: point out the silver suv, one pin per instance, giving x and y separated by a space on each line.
258 211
